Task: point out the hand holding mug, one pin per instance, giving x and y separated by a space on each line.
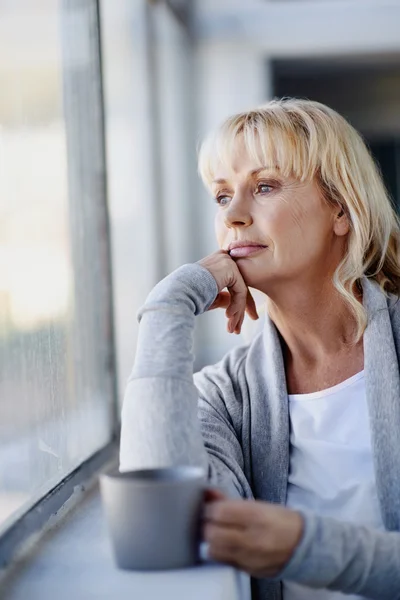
253 536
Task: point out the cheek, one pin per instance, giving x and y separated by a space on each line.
220 229
292 220
304 233
279 223
288 227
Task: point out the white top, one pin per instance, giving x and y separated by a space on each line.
331 468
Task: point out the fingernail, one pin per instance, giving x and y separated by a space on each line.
204 551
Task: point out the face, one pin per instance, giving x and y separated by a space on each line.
289 232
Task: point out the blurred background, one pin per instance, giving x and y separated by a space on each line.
102 107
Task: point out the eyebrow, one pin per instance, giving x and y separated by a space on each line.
252 173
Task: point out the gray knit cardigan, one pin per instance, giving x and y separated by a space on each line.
233 419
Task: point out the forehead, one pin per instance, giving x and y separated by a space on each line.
239 161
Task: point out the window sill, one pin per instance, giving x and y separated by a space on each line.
74 560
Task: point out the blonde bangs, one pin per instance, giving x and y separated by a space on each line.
268 139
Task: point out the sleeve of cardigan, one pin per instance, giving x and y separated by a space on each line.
160 421
346 557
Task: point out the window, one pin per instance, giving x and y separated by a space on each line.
57 387
58 397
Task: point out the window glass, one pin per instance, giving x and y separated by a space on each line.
56 375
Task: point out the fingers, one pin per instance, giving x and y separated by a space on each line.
250 309
238 327
255 536
226 512
237 308
225 543
238 299
222 300
222 539
251 306
213 494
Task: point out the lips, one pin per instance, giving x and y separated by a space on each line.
244 248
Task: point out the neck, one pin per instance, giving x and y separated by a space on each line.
314 321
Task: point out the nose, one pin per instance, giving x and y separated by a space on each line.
238 213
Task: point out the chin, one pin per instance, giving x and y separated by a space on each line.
253 275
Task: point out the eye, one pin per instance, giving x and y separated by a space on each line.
222 199
264 188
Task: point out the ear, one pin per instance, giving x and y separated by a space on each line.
341 224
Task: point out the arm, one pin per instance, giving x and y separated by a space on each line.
346 557
271 541
160 426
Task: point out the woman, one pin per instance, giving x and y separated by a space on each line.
308 415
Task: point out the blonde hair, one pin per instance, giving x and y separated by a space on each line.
310 141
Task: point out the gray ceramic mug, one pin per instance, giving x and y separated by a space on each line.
153 516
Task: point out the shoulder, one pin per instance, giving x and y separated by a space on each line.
393 303
376 300
223 387
229 374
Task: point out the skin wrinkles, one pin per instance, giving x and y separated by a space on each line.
306 240
279 218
